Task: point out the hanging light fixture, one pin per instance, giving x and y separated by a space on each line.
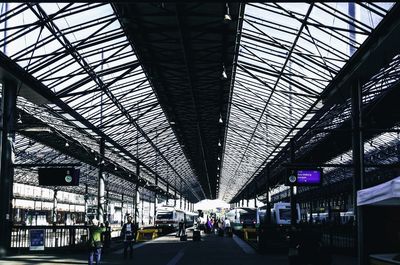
219 143
19 120
220 119
66 144
115 168
227 16
224 76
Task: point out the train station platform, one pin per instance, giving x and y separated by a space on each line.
169 250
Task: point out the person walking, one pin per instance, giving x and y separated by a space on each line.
95 242
129 234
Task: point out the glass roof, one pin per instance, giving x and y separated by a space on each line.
91 66
288 54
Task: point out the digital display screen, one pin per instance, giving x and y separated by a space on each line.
58 176
309 177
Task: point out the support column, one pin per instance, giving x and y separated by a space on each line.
184 204
106 207
180 200
101 185
358 170
175 198
8 106
55 206
135 209
122 209
255 194
268 214
155 201
86 198
142 215
167 193
293 219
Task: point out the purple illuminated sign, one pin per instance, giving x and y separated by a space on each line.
308 176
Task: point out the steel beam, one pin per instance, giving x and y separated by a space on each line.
358 170
8 110
184 45
101 184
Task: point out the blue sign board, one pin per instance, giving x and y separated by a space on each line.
309 177
36 237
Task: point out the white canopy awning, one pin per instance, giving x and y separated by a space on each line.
387 193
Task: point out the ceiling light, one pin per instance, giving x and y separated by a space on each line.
115 168
95 158
19 120
224 76
219 158
66 144
219 143
227 16
220 119
172 123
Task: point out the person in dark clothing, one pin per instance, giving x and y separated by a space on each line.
106 236
182 228
129 233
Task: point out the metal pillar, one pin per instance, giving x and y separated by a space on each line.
293 211
255 195
55 206
184 204
106 207
142 204
8 106
122 208
175 198
358 162
155 200
167 193
180 200
247 202
135 209
86 198
268 214
101 184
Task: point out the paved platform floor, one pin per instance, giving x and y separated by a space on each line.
168 250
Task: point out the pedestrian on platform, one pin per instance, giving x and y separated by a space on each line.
182 228
129 233
95 243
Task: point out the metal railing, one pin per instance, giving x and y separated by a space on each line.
54 236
